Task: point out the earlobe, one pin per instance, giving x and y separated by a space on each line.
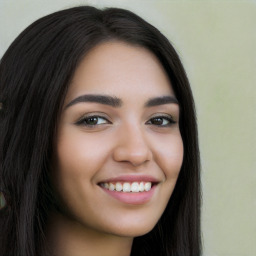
3 202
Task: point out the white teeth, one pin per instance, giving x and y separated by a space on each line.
142 188
135 187
111 187
119 186
126 187
147 186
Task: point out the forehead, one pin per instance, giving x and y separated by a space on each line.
119 68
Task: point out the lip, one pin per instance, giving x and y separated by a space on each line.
132 198
138 198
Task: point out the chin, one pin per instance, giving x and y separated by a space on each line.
132 230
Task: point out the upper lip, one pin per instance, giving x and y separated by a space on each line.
131 178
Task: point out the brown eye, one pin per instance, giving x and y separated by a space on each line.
92 121
157 121
161 121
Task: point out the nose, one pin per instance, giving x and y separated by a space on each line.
132 146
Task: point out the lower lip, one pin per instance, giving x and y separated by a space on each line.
132 197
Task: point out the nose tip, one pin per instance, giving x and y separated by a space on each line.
136 158
132 148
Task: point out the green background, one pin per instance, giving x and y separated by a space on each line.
216 41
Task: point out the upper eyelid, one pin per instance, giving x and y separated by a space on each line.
94 114
81 119
169 118
163 115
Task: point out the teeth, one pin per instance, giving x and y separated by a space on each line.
134 187
147 186
142 187
111 187
119 186
126 187
105 185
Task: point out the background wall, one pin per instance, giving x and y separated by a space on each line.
217 43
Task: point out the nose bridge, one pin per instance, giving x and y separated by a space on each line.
132 145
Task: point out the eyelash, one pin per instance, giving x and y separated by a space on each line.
96 118
83 120
169 119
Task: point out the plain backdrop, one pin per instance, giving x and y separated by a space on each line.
217 44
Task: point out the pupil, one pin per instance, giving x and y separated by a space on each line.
157 121
92 120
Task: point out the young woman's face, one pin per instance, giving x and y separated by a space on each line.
119 149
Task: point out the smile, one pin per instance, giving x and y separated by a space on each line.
131 189
127 187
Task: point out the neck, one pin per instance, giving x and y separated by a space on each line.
67 237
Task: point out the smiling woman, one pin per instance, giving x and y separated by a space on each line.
99 142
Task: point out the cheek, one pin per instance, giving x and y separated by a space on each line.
78 159
170 156
79 153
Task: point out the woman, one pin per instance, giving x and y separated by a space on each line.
98 140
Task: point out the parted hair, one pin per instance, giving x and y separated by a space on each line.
35 73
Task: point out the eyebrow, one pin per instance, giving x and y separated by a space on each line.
161 101
116 102
102 99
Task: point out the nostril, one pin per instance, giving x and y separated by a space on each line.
134 155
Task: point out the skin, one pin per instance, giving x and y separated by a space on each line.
126 140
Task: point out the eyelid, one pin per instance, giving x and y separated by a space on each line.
163 116
81 120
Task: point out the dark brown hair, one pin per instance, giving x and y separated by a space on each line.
35 73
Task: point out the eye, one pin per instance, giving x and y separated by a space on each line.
93 121
161 121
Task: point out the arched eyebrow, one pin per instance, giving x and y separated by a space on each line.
95 98
161 101
116 102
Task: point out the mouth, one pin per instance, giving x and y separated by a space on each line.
130 190
128 187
